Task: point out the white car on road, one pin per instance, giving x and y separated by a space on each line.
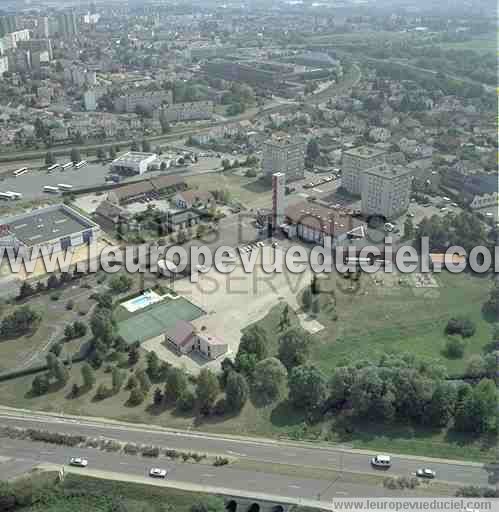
78 462
426 473
157 473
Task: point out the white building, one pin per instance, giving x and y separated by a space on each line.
4 65
284 154
354 164
386 190
90 100
133 162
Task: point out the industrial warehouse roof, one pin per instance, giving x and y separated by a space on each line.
45 224
133 157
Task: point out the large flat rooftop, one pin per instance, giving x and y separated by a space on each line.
365 152
389 171
132 156
45 224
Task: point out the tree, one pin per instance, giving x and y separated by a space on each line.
50 158
60 373
68 332
442 405
120 283
157 397
136 397
101 154
284 320
341 384
253 341
236 391
22 321
294 348
75 155
102 325
132 382
210 504
307 387
53 282
133 356
408 229
207 389
454 347
165 126
176 384
484 406
118 378
144 381
112 152
269 379
26 290
146 146
40 385
491 306
460 325
153 365
307 299
88 376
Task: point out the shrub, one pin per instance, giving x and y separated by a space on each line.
55 296
186 401
110 445
172 454
221 461
460 325
70 305
185 456
131 449
454 348
150 451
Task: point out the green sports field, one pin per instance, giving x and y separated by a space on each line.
154 320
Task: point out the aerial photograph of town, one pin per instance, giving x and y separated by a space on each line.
249 256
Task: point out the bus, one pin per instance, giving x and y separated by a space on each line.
14 195
19 172
53 167
65 166
63 186
81 164
50 189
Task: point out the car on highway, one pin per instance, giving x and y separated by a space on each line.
157 473
381 461
78 462
426 473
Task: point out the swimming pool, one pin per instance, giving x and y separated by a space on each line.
146 299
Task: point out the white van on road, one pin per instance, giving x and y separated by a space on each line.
381 461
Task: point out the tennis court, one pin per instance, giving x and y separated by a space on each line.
156 319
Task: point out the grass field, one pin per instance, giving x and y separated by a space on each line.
485 44
252 192
87 494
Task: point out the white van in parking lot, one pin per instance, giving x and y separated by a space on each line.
381 461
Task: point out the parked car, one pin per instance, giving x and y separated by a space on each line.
157 473
78 462
381 461
426 473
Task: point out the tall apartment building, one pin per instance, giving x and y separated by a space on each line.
386 190
67 25
354 164
8 24
43 27
286 154
37 46
151 100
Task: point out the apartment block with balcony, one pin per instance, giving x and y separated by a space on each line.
286 154
354 164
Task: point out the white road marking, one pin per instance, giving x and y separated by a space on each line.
342 493
294 486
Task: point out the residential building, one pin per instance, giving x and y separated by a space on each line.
386 190
43 27
159 186
8 24
354 163
37 45
184 339
182 219
146 99
188 111
67 25
194 199
286 154
90 100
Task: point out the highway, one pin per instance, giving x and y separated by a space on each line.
254 449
